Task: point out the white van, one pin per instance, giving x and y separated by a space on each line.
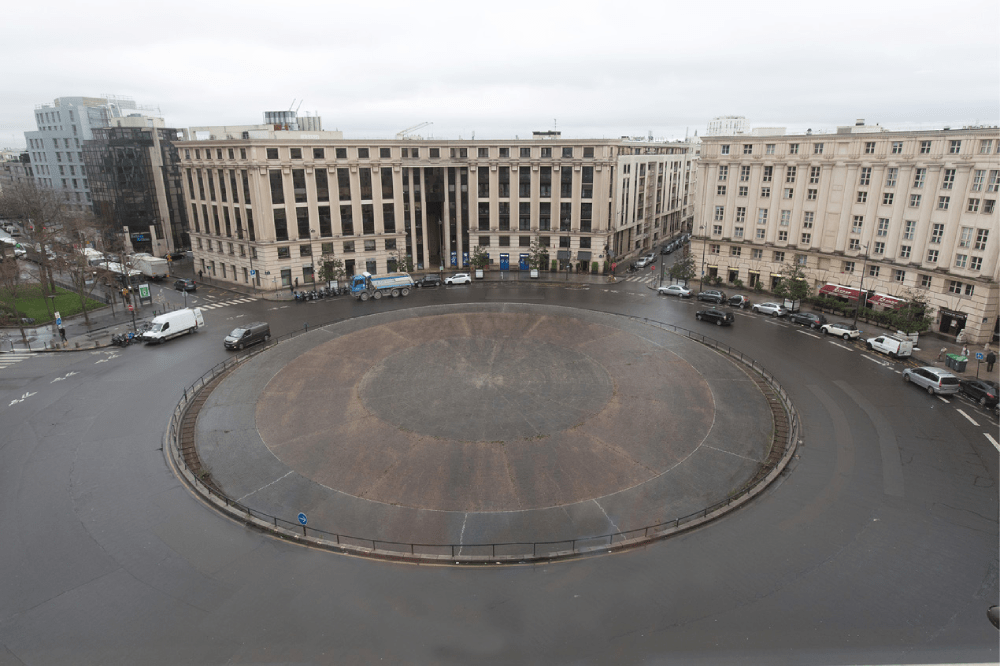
172 324
892 345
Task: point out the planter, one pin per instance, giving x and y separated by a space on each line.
534 273
479 273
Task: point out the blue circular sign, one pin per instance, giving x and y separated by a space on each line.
302 518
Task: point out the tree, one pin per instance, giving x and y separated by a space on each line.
329 269
11 281
480 258
792 285
404 263
84 278
538 254
682 270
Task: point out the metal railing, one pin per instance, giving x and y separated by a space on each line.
500 552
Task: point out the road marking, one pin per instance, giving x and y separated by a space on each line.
841 346
59 379
22 398
967 417
811 335
992 440
8 359
875 360
943 400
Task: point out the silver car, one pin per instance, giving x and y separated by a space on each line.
772 309
935 380
674 290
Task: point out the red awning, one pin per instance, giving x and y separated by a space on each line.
886 300
849 293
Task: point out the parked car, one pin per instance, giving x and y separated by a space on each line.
842 329
431 280
668 248
645 260
935 380
739 301
183 284
890 344
772 309
809 319
674 290
712 296
718 316
986 393
458 278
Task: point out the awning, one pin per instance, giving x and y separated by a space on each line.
583 256
886 300
562 254
849 293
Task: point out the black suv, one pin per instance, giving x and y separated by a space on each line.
428 281
712 296
718 316
807 319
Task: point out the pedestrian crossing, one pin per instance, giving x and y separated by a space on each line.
644 279
222 304
8 359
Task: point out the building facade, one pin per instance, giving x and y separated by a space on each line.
136 186
271 208
911 214
56 147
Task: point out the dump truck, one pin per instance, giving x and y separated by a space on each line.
367 286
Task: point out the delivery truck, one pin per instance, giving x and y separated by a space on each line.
173 324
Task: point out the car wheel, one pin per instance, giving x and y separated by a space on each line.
906 378
930 389
239 347
698 317
982 401
774 314
267 337
869 345
812 326
718 322
846 336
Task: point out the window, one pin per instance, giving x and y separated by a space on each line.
801 260
714 248
720 190
567 151
897 147
981 236
723 172
943 203
748 149
741 214
925 147
790 174
744 173
986 146
284 252
994 180
756 253
904 251
587 152
914 201
891 174
814 175
959 288
716 229
807 219
348 246
768 174
955 147
848 267
735 251
811 194
737 232
786 218
883 227
973 205
817 149
898 275
743 191
887 198
759 234
720 213
782 236
866 176
546 152
869 147
965 237
879 247
873 271
765 191
483 152
385 153
793 149
724 149
854 244
932 256
949 179
978 178
761 216
789 192
989 205
769 149
295 153
918 177
937 232
976 264
806 239
961 260
272 153
862 197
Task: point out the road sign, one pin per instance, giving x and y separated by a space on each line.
302 518
130 307
253 272
58 320
980 356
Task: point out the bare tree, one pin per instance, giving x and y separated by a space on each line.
11 283
82 231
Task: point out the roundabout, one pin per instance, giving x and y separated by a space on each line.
465 431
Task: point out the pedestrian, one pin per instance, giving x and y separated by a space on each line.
62 333
944 350
991 358
200 275
965 352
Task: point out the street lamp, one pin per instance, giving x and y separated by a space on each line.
861 288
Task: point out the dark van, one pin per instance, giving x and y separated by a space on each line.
248 334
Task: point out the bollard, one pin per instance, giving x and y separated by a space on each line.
306 326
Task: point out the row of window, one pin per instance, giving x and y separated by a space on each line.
896 147
485 152
979 178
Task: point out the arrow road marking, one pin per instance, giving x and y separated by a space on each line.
59 379
968 417
22 399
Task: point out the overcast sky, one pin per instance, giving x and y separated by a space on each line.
505 68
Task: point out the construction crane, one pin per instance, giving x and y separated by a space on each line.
402 134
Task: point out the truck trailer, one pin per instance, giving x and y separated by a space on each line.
155 268
367 286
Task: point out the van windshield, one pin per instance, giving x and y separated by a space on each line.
157 327
238 333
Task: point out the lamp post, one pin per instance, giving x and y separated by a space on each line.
704 242
861 287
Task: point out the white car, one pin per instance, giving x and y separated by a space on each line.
458 278
842 329
674 290
645 261
772 309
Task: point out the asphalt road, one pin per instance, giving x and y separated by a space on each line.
878 546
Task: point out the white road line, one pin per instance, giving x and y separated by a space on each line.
875 360
841 346
989 437
943 400
967 417
811 335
